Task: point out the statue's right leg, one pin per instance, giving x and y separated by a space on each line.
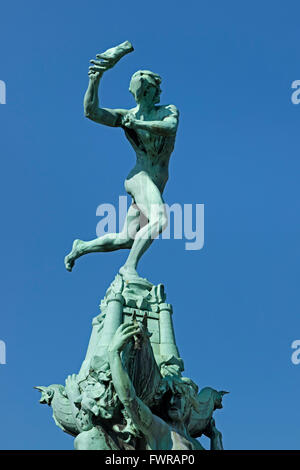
108 242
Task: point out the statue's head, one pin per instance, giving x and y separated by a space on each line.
97 391
218 399
176 406
145 86
47 393
180 399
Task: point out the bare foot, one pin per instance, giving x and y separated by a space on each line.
73 255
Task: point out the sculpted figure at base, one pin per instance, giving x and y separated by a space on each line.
170 432
150 129
104 412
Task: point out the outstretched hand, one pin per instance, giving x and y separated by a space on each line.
100 66
108 59
123 335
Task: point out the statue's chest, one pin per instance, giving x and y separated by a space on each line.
153 144
147 137
146 141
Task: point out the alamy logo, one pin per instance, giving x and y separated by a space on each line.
2 92
2 352
188 222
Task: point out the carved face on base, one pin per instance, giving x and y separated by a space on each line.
176 407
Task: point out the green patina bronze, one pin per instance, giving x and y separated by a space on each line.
130 392
151 131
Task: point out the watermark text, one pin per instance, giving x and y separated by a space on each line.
295 358
295 97
2 352
153 221
2 92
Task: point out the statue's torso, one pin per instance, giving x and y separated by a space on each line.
152 151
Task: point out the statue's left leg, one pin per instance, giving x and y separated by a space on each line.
108 242
149 200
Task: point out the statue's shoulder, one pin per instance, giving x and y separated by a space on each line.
169 110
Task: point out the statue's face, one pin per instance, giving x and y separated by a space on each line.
153 94
144 90
176 407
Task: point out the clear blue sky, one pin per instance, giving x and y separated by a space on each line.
228 66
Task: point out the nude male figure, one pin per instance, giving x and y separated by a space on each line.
151 131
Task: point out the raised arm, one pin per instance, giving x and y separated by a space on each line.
108 117
137 410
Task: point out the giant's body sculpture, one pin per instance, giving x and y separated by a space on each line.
130 392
